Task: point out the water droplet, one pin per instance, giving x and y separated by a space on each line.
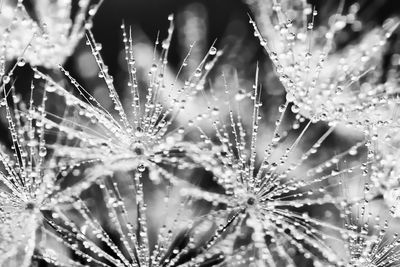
92 11
21 62
282 108
6 79
42 152
141 168
139 132
213 51
197 73
240 95
50 88
215 111
340 24
295 109
339 90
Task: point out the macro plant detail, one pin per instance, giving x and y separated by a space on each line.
162 155
142 135
43 33
351 86
305 55
30 180
379 250
262 192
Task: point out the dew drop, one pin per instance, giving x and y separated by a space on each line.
282 108
197 73
141 168
42 152
295 109
240 95
139 132
215 111
339 90
6 79
21 62
50 88
213 51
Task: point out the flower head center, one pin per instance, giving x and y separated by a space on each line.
251 201
30 206
137 148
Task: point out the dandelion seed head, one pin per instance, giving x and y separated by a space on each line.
372 245
119 183
179 237
265 197
326 84
28 179
48 36
138 136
